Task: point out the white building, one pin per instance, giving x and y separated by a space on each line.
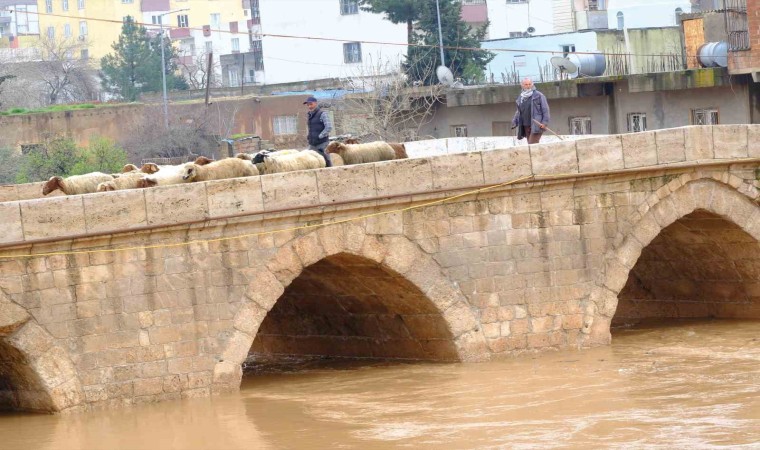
341 48
645 13
515 18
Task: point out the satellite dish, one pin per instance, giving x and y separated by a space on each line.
564 65
530 30
445 76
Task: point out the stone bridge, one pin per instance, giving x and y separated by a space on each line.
137 296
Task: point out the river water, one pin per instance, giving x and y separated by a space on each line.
690 385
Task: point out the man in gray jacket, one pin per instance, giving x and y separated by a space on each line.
532 115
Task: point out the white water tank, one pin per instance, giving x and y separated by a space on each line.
589 64
713 54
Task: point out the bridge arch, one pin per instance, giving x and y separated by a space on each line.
350 247
35 373
695 211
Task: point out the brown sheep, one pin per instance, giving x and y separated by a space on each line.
77 184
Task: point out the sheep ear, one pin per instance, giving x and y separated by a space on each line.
147 182
202 161
52 184
149 168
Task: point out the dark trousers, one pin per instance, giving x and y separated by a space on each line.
533 138
321 150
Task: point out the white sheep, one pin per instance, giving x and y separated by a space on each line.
161 175
337 160
279 162
219 170
128 180
362 153
77 184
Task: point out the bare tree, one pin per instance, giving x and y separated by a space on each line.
386 105
64 71
195 70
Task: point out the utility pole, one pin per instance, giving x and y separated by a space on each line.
163 64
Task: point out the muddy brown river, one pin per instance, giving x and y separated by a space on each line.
690 385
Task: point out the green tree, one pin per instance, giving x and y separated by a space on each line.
10 164
57 156
421 62
101 155
135 64
397 11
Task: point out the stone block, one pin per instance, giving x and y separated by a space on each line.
460 145
403 176
54 367
639 149
10 225
8 193
53 217
500 166
670 145
290 190
554 159
699 143
753 141
167 205
730 141
234 196
426 148
494 142
600 154
115 210
457 171
347 183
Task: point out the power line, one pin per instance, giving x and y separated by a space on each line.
398 44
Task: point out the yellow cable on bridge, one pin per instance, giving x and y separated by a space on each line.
263 233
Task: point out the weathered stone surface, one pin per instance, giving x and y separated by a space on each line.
290 190
12 317
347 183
554 159
403 176
599 154
167 205
234 197
53 217
670 145
457 171
753 141
501 166
730 141
639 149
118 209
699 143
10 226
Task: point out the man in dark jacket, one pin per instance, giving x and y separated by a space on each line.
320 126
532 115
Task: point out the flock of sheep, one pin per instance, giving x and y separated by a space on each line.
242 165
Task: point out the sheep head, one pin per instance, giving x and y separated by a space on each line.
335 147
259 157
202 161
190 171
52 184
129 168
106 186
149 168
352 141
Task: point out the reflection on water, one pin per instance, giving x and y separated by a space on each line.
693 385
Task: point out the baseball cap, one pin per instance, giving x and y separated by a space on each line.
310 99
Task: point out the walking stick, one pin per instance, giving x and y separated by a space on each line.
550 130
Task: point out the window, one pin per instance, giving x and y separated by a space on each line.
51 32
156 20
620 20
66 30
65 5
596 5
580 125
258 54
704 116
236 44
567 49
80 4
84 54
284 125
27 19
182 21
637 122
209 47
216 20
127 1
352 52
459 131
234 77
349 7
83 28
255 12
519 61
48 6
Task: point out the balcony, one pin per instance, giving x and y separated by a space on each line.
591 20
474 12
180 33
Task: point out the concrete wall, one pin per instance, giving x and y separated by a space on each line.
517 17
646 13
104 315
